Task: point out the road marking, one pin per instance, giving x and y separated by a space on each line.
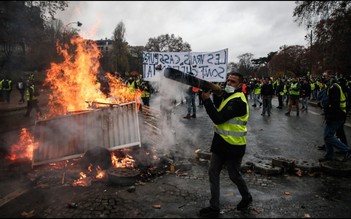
315 113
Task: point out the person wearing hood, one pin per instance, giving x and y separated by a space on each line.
228 147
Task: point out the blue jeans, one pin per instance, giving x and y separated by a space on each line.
190 102
331 140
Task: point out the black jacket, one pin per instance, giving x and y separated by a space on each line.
267 89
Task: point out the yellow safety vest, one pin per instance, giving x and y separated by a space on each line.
28 93
258 89
313 86
342 98
294 86
234 130
131 86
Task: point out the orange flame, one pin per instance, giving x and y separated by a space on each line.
24 148
76 81
82 181
100 173
126 162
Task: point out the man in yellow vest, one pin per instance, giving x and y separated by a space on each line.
335 116
6 89
294 96
32 99
229 141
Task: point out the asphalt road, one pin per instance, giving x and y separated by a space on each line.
40 192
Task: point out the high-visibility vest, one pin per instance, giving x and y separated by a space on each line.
342 98
258 89
29 91
292 91
313 86
8 88
234 130
131 85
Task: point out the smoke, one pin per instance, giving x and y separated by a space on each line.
174 129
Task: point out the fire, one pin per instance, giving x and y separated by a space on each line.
85 178
24 148
82 181
100 173
76 81
126 162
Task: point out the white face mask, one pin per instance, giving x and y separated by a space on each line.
229 89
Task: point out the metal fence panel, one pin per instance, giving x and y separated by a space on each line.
70 136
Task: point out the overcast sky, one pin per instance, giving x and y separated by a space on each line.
257 27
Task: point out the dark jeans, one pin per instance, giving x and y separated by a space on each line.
233 167
32 104
331 140
22 96
267 104
6 95
280 100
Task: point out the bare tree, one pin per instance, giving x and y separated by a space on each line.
167 43
120 49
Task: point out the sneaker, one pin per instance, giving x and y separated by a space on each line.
287 113
254 105
347 156
321 148
209 212
187 116
193 116
244 203
279 107
261 104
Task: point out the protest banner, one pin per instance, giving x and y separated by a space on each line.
209 66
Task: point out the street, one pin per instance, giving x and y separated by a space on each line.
40 192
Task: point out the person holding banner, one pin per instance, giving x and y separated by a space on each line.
229 141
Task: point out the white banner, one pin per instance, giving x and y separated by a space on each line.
209 66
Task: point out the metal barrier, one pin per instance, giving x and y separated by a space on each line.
65 137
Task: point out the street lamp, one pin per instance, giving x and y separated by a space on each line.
310 39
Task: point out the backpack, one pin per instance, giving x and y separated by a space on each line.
20 85
322 97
